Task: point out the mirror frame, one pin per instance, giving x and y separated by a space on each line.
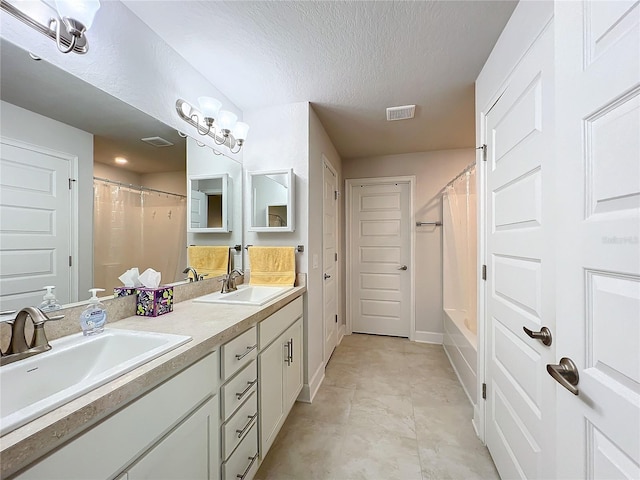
226 204
290 201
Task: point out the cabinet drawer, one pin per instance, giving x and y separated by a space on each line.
239 424
239 389
271 327
238 352
243 463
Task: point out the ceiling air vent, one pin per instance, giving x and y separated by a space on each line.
157 141
400 113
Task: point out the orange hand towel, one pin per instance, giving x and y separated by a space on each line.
210 260
272 266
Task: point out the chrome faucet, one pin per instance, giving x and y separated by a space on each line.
18 346
229 281
194 274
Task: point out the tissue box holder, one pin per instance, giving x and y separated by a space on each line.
153 302
124 291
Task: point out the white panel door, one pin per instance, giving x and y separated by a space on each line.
199 209
520 275
380 290
329 260
598 269
35 225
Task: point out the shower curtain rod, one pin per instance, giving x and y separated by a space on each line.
466 169
137 187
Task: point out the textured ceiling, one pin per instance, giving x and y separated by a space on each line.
118 127
351 60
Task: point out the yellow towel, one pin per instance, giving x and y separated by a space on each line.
212 261
272 265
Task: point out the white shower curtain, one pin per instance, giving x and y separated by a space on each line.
459 248
137 228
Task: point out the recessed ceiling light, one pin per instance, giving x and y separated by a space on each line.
121 160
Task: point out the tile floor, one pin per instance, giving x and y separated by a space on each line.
388 409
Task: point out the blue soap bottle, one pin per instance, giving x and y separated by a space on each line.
93 317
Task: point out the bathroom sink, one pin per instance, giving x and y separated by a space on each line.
75 365
245 295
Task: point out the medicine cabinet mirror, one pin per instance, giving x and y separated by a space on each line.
271 204
209 204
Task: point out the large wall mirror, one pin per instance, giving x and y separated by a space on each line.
70 214
272 195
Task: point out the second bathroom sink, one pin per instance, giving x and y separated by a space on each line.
245 295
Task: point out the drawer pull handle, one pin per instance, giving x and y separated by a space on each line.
287 357
240 356
244 392
244 474
246 427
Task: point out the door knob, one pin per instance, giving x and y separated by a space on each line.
326 276
403 267
544 335
566 374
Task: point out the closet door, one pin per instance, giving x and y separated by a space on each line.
598 271
520 285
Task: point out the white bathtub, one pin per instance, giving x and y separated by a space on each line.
461 346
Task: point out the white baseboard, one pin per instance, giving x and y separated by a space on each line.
309 390
341 333
429 337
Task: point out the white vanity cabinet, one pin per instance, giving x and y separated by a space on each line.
279 369
173 429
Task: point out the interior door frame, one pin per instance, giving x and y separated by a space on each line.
349 185
327 163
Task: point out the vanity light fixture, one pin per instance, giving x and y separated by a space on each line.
76 16
221 125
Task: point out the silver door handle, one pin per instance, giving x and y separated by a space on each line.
403 267
544 335
566 374
326 276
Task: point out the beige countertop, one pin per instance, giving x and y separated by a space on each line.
209 325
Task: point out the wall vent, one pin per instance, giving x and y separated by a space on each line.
157 141
400 113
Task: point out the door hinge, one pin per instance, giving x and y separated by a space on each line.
71 180
336 318
70 261
484 272
484 391
483 147
336 194
336 255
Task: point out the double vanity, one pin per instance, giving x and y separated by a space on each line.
208 408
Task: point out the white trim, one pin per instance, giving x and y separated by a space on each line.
349 185
429 337
73 206
341 332
309 390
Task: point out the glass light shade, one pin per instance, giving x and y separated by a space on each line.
186 109
84 11
209 106
240 131
227 120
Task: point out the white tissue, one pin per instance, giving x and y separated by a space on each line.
150 278
130 278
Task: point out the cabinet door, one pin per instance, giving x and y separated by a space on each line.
271 388
293 367
190 451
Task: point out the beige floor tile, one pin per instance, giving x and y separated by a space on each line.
438 426
391 413
455 463
371 453
331 405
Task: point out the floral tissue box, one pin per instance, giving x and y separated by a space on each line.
154 301
124 291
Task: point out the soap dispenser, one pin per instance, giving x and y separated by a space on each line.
49 302
93 317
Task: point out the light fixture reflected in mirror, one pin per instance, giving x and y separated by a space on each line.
221 125
75 15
